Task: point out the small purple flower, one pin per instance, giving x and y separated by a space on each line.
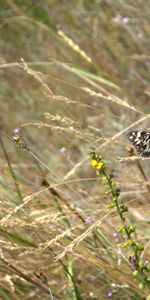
115 234
133 261
16 130
109 294
62 149
125 20
89 220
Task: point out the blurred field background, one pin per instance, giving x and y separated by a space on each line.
74 75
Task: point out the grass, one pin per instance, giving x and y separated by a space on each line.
74 77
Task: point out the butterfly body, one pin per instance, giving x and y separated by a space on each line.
17 138
141 141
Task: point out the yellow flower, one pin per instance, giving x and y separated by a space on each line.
100 165
94 163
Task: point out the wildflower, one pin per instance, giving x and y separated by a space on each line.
125 20
62 149
89 220
100 165
16 130
94 163
115 234
109 294
133 261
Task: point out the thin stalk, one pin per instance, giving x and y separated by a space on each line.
11 171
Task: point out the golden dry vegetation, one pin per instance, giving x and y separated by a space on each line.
74 76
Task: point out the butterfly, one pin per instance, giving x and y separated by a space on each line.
18 139
141 141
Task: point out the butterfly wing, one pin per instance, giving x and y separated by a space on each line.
141 141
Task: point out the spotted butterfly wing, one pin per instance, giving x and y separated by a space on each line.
141 141
18 139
